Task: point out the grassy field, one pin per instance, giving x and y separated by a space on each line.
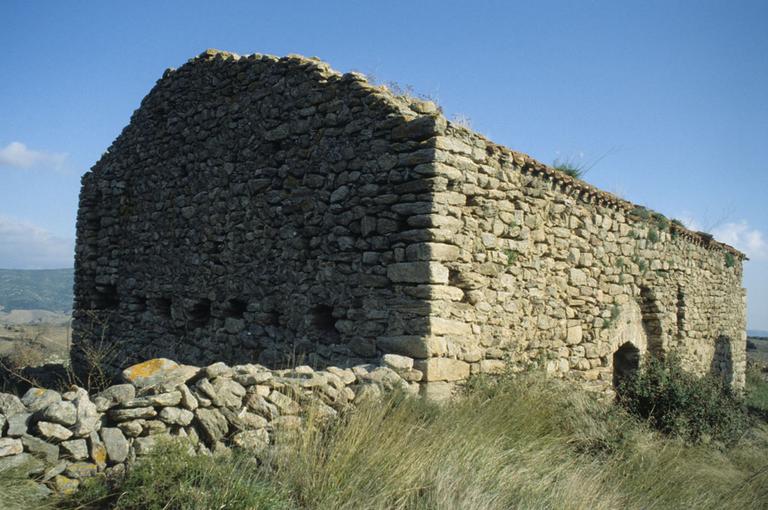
524 443
760 352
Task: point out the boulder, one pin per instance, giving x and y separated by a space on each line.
158 372
75 449
228 392
115 443
10 446
18 424
88 417
118 394
42 449
10 405
39 398
134 413
53 431
81 470
176 416
63 413
212 423
251 439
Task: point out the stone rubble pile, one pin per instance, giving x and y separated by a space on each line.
63 438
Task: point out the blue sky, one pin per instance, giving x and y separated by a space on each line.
667 101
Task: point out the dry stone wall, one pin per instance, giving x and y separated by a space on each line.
64 438
554 271
273 210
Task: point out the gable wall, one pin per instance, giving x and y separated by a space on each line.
250 212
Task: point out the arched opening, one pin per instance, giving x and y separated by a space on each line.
722 360
649 308
626 361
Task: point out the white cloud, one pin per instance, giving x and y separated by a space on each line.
18 155
24 245
741 236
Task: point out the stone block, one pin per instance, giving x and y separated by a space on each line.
439 326
417 272
443 369
431 251
412 345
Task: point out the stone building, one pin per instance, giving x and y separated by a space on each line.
271 209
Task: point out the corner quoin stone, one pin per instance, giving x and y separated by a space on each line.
417 272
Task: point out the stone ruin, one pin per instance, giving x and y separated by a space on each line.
271 210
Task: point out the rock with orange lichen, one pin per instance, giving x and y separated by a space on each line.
158 373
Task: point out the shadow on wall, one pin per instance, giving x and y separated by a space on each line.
722 360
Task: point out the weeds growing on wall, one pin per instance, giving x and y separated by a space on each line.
512 256
570 168
730 260
678 403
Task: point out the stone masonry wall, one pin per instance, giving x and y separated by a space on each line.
273 210
552 270
61 439
249 212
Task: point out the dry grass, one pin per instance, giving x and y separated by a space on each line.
523 443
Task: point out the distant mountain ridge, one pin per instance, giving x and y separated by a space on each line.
37 289
757 332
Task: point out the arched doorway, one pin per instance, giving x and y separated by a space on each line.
626 361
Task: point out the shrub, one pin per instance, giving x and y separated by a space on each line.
662 222
641 212
757 392
676 402
653 235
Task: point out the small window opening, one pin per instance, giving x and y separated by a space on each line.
680 312
199 315
235 308
105 297
626 361
324 323
162 307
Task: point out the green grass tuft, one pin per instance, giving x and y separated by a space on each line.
570 168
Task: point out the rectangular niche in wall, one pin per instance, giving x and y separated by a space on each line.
162 307
199 314
235 308
324 324
105 298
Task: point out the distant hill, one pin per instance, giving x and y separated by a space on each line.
36 289
757 333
